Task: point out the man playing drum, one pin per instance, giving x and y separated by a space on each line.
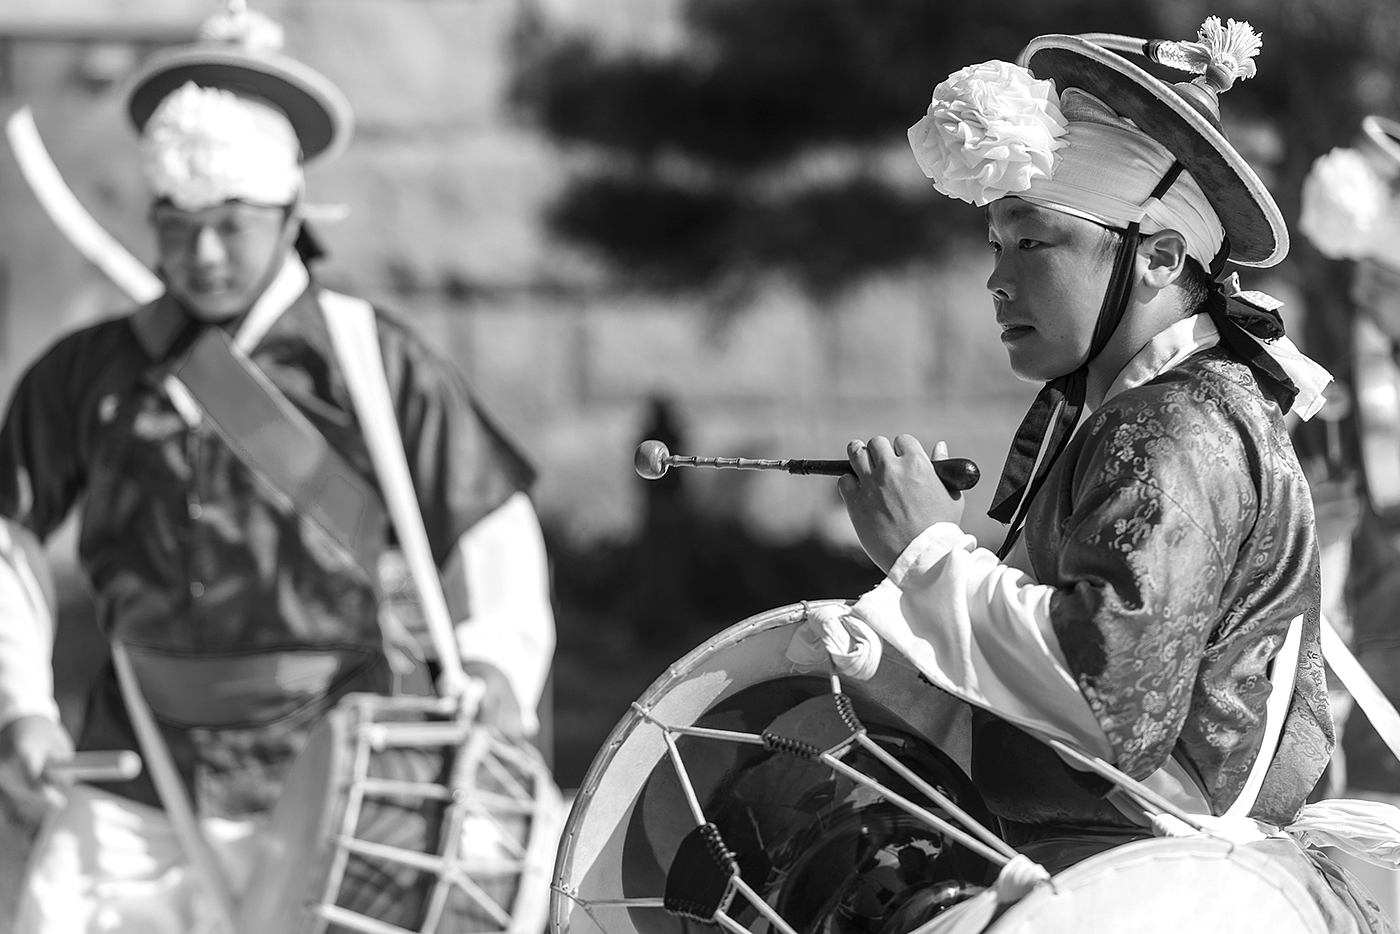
247 605
1161 569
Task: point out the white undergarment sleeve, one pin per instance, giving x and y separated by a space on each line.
511 624
980 630
26 637
109 864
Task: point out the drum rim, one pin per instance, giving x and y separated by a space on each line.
789 615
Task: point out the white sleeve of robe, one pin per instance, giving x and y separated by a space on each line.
980 630
511 620
26 638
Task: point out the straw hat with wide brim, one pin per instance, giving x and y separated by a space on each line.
319 113
1185 119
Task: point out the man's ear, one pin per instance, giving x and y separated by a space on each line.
1161 258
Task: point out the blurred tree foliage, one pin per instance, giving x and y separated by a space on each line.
704 186
766 145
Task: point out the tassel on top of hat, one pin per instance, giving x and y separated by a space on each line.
239 26
1223 54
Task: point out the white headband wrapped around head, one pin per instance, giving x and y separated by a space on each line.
995 130
204 146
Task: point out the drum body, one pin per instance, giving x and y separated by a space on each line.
399 817
829 854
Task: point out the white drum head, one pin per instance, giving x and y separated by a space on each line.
1199 885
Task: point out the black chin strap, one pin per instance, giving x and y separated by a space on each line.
1050 423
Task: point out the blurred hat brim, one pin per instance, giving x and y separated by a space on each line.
1248 213
319 113
1385 134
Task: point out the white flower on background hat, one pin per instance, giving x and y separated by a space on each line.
237 25
204 146
991 130
1343 202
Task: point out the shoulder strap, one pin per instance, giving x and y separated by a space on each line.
279 444
355 337
1362 687
179 810
1283 677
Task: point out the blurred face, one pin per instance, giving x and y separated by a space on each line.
1376 291
218 261
1047 286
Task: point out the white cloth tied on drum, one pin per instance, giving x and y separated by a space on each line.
830 632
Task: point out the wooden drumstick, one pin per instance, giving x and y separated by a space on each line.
653 459
118 765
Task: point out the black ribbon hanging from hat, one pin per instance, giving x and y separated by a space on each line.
1241 319
1050 422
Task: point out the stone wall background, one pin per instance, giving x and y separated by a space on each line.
446 185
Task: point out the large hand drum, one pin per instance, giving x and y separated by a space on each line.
716 800
398 817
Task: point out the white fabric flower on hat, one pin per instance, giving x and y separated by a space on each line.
990 131
1343 203
204 146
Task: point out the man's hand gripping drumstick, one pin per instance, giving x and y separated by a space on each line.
894 493
37 764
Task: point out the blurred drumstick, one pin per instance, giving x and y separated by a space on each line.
653 459
97 245
118 765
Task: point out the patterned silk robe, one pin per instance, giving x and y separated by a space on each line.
1177 530
1164 559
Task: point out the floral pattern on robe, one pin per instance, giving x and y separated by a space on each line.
1178 530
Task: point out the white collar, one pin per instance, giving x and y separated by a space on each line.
281 293
1171 346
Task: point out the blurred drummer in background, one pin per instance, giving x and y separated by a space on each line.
244 616
1350 211
1162 558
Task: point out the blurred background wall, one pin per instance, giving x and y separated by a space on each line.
698 219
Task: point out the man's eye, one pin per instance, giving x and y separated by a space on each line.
1026 243
994 247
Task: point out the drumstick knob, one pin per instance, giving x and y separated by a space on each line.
652 460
